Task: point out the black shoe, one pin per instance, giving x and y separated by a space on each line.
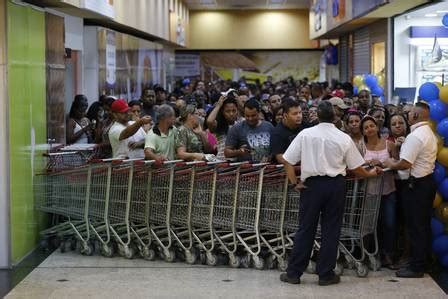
335 279
408 273
285 278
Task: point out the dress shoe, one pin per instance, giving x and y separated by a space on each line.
388 263
335 279
285 278
408 273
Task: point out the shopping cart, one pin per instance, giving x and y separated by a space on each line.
272 212
65 193
360 221
248 212
225 211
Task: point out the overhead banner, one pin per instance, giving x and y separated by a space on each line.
110 58
187 65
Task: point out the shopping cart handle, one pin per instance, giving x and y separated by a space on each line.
149 161
259 164
239 163
195 163
59 153
172 162
271 166
132 160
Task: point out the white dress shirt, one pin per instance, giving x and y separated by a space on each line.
420 149
324 151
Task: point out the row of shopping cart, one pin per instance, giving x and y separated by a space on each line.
242 213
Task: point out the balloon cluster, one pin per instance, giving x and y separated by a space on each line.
436 96
370 82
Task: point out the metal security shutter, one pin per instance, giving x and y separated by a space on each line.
361 51
344 58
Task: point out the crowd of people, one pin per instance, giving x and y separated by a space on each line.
243 121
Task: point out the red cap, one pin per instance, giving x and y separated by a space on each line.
119 106
338 93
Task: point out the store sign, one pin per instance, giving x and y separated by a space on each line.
187 65
110 58
102 7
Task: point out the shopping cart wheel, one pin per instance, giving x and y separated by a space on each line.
107 250
374 263
258 262
169 255
87 249
190 256
65 246
339 269
361 270
234 261
245 261
148 254
271 262
129 252
311 267
282 264
44 244
212 259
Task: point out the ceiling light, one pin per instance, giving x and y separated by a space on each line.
429 15
442 11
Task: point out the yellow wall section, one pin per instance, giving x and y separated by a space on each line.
255 29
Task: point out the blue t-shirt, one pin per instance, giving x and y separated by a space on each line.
257 139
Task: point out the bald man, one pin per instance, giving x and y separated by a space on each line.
417 156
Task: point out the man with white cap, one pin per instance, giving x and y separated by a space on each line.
339 110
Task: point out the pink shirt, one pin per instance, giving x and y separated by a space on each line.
388 178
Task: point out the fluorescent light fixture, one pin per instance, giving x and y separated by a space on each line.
429 15
442 11
207 2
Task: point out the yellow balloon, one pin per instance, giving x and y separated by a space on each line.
358 80
439 143
437 200
381 80
433 125
363 87
442 156
443 93
442 212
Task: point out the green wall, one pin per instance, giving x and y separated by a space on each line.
27 121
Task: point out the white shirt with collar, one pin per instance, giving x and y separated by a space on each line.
324 151
420 149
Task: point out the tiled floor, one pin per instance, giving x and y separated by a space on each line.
71 275
9 278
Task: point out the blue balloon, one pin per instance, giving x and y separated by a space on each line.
438 110
437 227
370 80
428 91
439 173
442 128
443 189
440 245
444 260
355 90
377 90
445 20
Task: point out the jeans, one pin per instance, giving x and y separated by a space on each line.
387 229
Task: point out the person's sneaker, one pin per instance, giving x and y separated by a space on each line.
408 273
329 281
285 278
